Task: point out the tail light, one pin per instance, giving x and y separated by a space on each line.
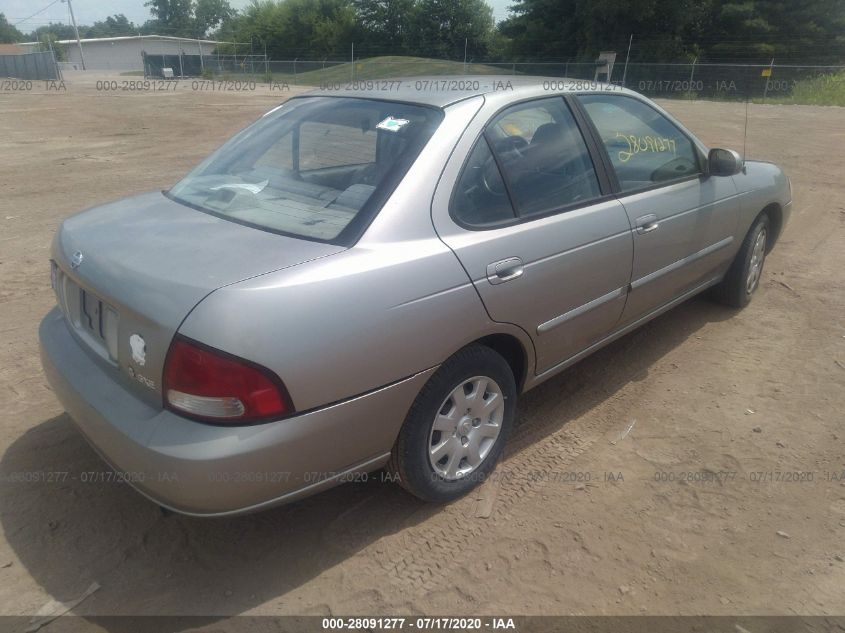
213 386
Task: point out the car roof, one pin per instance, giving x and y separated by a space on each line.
444 90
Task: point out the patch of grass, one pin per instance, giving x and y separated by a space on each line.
386 67
825 90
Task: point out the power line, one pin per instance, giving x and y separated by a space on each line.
37 12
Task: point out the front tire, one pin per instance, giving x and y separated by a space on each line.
457 427
743 277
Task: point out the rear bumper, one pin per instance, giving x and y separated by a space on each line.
205 470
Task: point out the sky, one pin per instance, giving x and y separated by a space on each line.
90 11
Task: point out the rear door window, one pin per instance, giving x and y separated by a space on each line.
531 161
543 156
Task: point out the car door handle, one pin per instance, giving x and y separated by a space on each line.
647 223
504 270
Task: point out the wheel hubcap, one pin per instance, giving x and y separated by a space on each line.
755 267
466 427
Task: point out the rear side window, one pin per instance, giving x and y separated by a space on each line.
645 147
532 160
480 197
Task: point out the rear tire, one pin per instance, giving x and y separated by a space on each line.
457 427
743 277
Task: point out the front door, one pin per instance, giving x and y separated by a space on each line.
683 221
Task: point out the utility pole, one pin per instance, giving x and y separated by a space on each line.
768 76
466 42
627 57
76 32
691 75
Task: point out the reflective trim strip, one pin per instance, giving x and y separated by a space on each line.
619 333
576 312
681 262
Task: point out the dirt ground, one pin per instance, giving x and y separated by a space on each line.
592 511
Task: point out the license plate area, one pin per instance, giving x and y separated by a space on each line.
94 320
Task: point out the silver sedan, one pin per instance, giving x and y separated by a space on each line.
370 279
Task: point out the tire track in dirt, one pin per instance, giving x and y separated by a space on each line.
422 556
558 422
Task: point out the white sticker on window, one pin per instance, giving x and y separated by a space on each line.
392 125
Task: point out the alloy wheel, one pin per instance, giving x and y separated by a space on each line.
755 266
466 427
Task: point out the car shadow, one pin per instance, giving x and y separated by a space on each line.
69 527
575 391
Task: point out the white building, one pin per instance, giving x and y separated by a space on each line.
124 53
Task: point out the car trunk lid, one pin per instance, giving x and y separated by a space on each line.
128 273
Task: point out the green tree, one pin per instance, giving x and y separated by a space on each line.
113 26
321 27
57 31
582 28
8 33
762 29
660 27
48 42
257 21
295 28
542 28
327 28
677 30
210 14
383 25
172 17
441 28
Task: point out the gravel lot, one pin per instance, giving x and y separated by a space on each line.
701 390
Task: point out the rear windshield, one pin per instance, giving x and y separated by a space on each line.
316 167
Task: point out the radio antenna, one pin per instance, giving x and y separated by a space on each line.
745 131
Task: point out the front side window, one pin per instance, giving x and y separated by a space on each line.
313 167
645 148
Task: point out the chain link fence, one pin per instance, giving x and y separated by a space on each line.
204 65
668 80
770 82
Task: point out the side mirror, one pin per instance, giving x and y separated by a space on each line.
724 162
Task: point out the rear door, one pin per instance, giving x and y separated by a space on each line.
683 221
534 224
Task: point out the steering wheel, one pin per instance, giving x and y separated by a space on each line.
491 179
513 144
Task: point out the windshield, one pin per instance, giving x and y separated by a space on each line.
316 167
